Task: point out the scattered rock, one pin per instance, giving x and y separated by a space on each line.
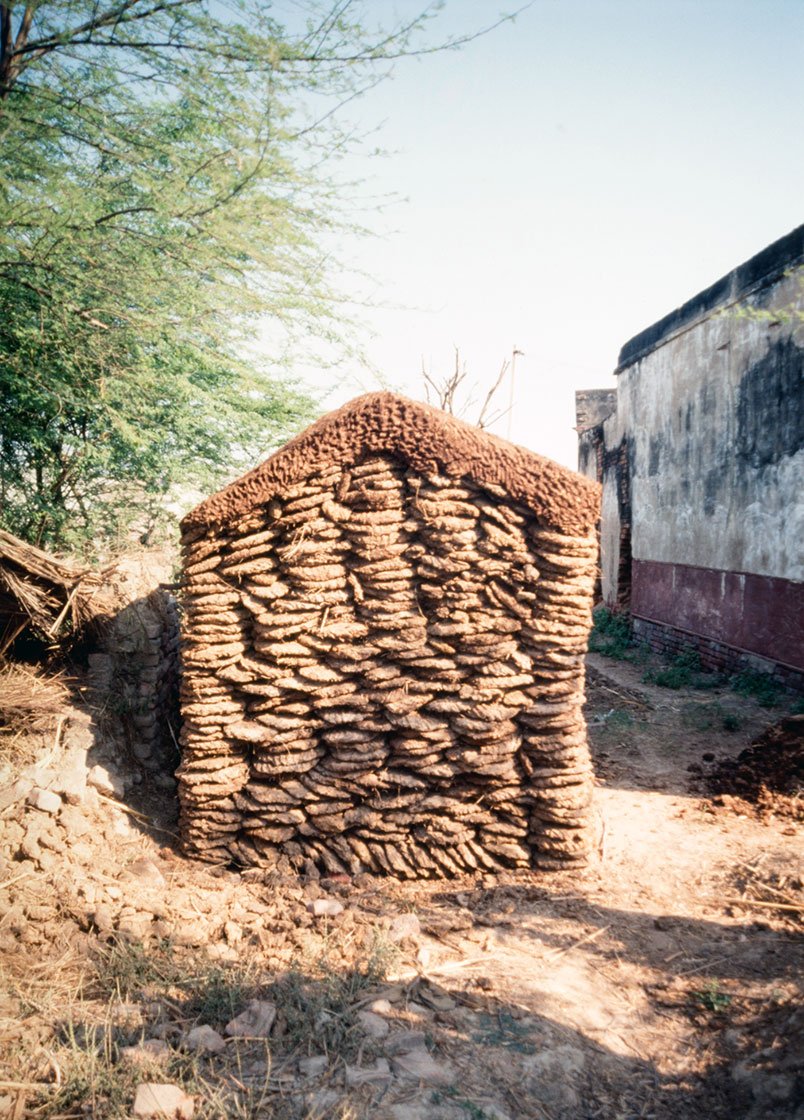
373 1025
71 781
52 838
437 999
232 932
405 1041
553 1074
222 952
205 1040
104 781
144 871
381 1007
29 848
404 926
325 907
255 1022
119 826
322 1102
410 1110
419 1065
148 1051
313 1066
15 793
188 933
81 852
45 800
155 1099
103 919
765 1087
73 821
379 1073
134 926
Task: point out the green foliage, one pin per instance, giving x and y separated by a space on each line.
619 720
218 995
124 969
684 671
760 686
503 1030
712 998
710 716
611 634
92 1082
452 1095
167 186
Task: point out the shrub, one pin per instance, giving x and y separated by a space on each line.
611 634
761 686
684 671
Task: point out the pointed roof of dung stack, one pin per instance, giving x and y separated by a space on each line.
428 440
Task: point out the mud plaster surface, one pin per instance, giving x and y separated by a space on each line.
428 440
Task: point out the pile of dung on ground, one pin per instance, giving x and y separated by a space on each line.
768 775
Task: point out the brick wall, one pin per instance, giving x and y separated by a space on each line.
715 656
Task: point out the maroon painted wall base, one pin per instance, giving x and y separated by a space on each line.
752 614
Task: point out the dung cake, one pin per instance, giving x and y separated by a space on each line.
383 653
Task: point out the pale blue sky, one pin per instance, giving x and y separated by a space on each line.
570 178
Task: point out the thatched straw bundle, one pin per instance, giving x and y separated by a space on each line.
385 627
44 594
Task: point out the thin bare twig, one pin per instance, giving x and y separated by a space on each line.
555 953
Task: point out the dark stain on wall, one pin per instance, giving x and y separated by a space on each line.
713 484
707 399
619 462
770 407
598 461
655 454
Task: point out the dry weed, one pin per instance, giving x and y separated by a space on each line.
29 698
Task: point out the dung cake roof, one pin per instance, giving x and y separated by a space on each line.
429 441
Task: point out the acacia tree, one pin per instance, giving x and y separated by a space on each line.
162 189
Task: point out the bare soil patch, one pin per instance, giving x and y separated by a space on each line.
662 981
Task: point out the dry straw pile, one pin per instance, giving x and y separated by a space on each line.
51 598
385 627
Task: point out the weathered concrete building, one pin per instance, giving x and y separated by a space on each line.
702 465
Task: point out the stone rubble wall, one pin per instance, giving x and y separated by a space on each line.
134 672
383 669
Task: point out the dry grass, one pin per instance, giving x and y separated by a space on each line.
30 703
46 593
70 1062
29 699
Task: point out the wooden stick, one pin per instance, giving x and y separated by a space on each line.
622 695
23 1085
439 969
16 879
773 890
137 816
54 629
554 953
797 907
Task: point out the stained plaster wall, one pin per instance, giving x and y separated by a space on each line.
716 420
702 463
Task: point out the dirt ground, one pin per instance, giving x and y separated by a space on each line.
663 981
